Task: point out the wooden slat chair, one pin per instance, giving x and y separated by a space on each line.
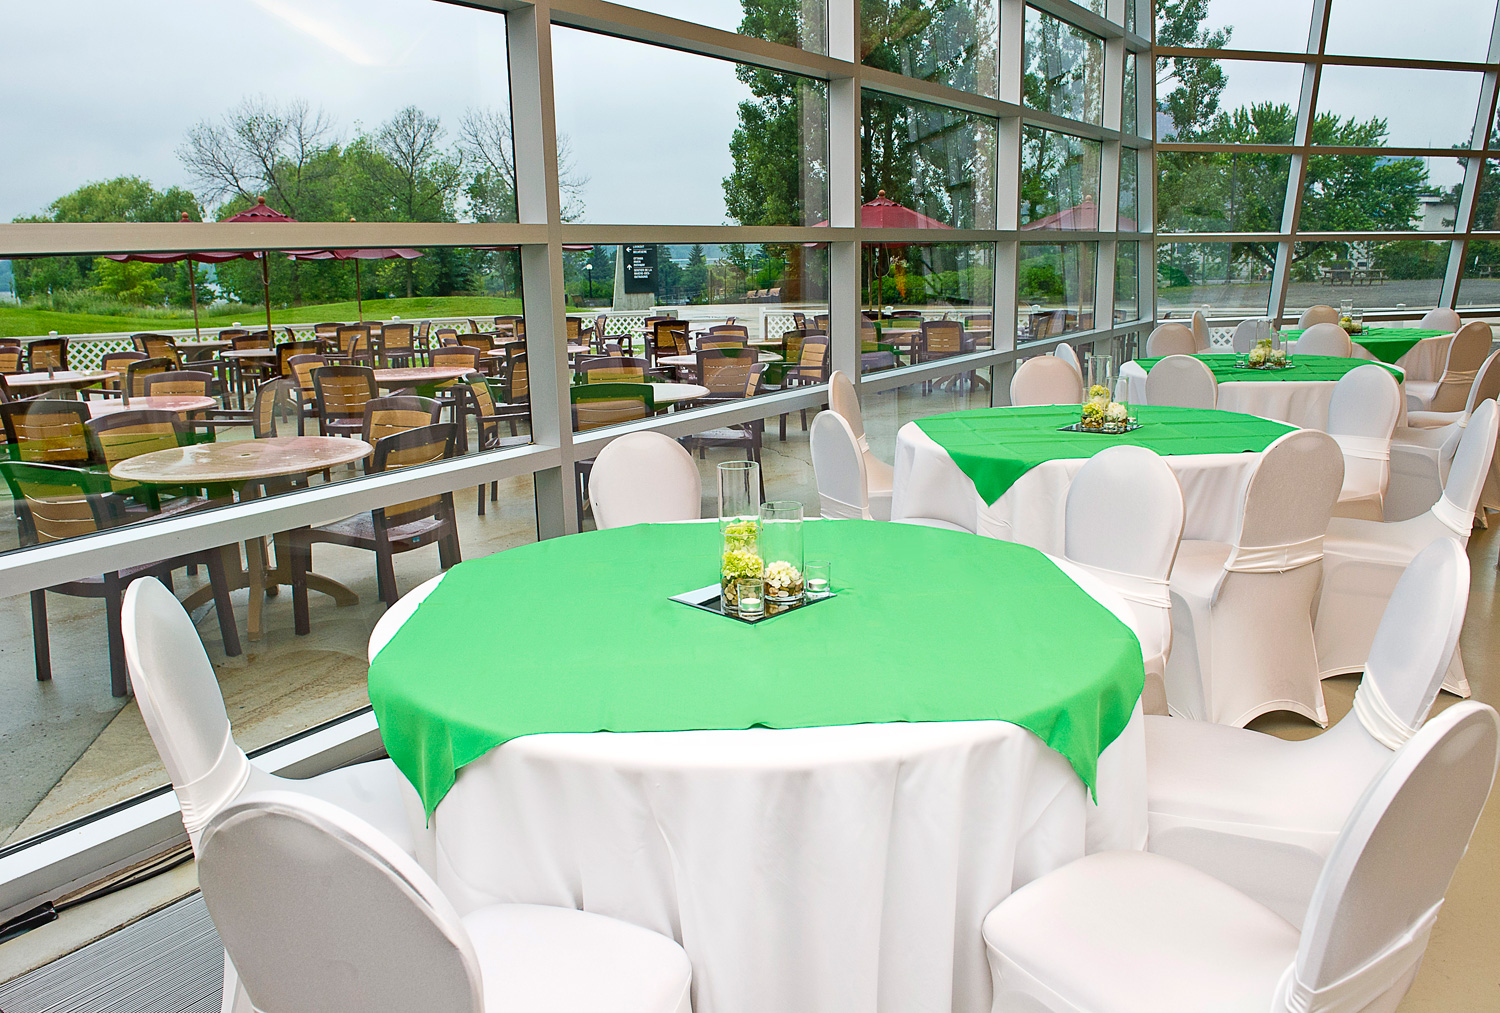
12 359
249 373
813 367
137 371
515 383
799 320
396 413
726 371
613 369
489 416
394 529
260 417
327 335
284 353
605 404
514 323
179 383
575 331
47 353
117 362
747 436
354 346
54 503
229 334
45 431
730 329
397 344
599 336
158 346
301 390
341 393
423 338
444 336
942 339
120 436
820 322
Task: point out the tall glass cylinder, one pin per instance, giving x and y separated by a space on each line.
1098 371
739 528
781 548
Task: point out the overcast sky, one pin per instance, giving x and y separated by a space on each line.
99 88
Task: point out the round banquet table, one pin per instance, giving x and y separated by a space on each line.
1421 353
836 866
1024 466
1298 396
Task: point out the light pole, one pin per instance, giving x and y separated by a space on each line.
589 267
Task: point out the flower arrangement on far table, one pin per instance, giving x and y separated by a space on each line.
741 559
1263 356
1102 413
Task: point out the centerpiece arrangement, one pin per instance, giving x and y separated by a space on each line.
739 530
1266 356
1100 412
1351 319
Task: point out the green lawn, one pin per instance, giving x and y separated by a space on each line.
21 321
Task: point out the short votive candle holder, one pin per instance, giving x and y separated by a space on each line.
751 592
816 581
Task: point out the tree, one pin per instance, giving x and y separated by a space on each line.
487 143
695 275
1198 83
130 282
263 148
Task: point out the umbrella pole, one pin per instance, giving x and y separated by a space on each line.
359 299
193 287
265 281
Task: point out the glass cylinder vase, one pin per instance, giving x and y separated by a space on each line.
1099 371
739 528
781 548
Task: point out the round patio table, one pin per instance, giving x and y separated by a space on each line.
416 376
823 780
182 404
1005 472
61 379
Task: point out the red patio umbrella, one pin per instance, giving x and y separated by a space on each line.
884 213
195 257
368 253
262 214
1083 217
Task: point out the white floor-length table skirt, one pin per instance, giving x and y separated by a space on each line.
814 870
1301 403
929 484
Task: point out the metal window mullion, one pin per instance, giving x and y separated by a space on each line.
844 196
1463 223
1307 105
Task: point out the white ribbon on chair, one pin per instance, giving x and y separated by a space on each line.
1457 520
1359 988
200 799
1275 558
1132 587
1375 713
1368 448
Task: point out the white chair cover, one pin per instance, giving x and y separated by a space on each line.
1201 332
1325 339
1182 380
1247 333
1129 932
1440 319
1066 353
1241 633
1046 379
879 476
1262 813
1318 314
320 912
644 477
1364 559
1362 415
1124 520
838 467
1171 338
1421 455
1466 353
1486 388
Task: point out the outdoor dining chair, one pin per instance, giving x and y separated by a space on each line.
341 393
47 431
813 366
12 359
158 346
47 353
137 371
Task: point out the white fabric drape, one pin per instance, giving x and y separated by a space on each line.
1301 403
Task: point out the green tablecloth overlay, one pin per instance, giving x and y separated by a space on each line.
928 625
1304 368
996 446
1385 343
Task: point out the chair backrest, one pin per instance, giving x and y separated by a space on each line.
483 340
513 322
117 362
813 361
1046 379
263 411
122 435
1366 403
353 339
575 330
1200 332
47 353
1171 338
46 431
1248 332
1288 501
396 339
724 371
516 382
730 330
446 336
54 502
137 371
286 350
613 369
941 337
1182 380
671 337
396 413
408 448
1067 353
329 329
843 399
1466 354
184 382
465 357
1385 878
792 342
320 911
481 398
343 391
1486 385
755 380
839 468
157 346
608 404
820 321
1318 314
1467 474
301 370
644 478
721 341
1441 319
1325 339
11 357
252 341
180 703
229 334
601 325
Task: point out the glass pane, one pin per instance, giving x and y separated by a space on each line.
1129 98
1127 282
1059 180
952 42
1221 192
1481 281
1399 274
751 145
341 115
1229 101
1129 191
1396 107
937 164
754 300
1064 69
906 284
1446 29
1273 25
1054 289
1487 200
799 23
1368 193
1221 278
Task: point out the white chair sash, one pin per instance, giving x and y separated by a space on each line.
1274 558
1457 520
1374 712
1363 986
863 443
200 799
1131 586
1464 376
1368 448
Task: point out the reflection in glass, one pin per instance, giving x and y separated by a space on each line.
951 42
1059 180
1127 282
1129 98
1054 289
925 301
1446 30
1368 193
1130 209
1064 68
1480 285
1274 25
1226 101
1234 191
799 23
757 153
1228 277
929 159
1487 199
1376 275
1398 106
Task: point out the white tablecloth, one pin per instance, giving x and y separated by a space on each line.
1301 403
811 870
929 484
1425 360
